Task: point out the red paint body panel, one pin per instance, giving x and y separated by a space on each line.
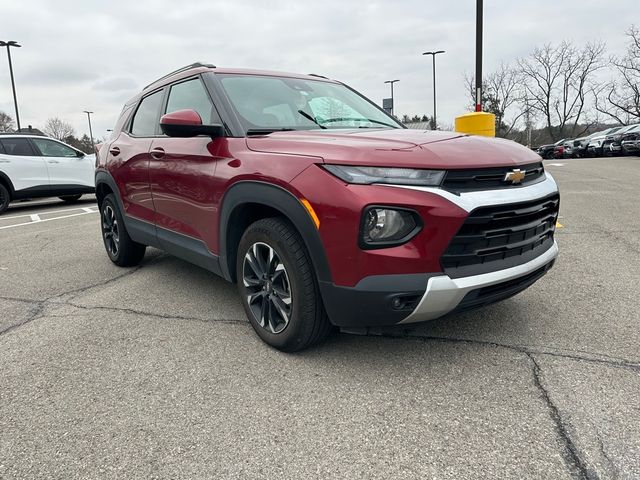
398 148
183 185
339 207
130 170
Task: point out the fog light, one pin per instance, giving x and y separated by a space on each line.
405 302
383 227
396 303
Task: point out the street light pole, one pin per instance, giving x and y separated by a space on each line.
90 131
393 105
433 55
9 44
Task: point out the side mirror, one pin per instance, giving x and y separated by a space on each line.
80 154
187 123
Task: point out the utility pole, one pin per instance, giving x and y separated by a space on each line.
527 120
90 131
9 44
433 55
393 105
479 9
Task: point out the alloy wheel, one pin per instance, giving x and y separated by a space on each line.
268 289
110 230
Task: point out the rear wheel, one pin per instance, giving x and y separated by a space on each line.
278 287
122 250
70 198
5 198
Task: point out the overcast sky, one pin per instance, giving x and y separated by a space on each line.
93 55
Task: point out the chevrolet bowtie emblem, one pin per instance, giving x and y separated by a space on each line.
515 176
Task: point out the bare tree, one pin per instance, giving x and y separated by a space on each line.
620 99
6 122
503 95
557 82
58 129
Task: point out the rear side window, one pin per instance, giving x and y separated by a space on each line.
192 95
124 117
17 146
1 148
146 119
49 148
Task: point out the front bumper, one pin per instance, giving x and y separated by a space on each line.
426 296
445 294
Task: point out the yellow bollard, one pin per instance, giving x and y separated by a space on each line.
477 123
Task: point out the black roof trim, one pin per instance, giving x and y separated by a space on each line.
183 69
316 75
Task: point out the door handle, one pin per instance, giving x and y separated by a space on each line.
157 153
115 151
53 161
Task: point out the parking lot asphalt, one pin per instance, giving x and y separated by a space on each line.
154 371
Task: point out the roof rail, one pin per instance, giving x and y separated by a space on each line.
183 69
316 75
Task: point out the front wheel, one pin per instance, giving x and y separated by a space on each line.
278 288
122 250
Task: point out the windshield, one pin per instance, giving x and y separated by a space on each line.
280 103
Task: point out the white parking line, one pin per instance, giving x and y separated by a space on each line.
93 209
35 218
47 219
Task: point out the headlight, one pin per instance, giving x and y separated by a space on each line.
386 226
400 176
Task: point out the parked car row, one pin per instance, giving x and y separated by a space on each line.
33 166
622 140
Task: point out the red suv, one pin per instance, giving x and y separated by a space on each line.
321 207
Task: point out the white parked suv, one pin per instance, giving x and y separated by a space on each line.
35 166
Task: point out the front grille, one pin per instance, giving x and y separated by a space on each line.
490 178
501 291
501 236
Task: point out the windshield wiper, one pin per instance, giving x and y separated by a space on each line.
348 119
267 131
309 117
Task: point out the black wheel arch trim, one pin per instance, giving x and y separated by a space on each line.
288 205
7 181
106 178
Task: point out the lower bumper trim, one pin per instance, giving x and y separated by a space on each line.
445 294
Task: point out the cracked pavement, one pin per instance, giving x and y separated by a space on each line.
154 371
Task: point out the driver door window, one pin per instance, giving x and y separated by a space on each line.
192 95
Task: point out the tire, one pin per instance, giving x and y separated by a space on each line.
273 266
5 198
70 198
122 251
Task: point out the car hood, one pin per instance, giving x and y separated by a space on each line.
396 147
